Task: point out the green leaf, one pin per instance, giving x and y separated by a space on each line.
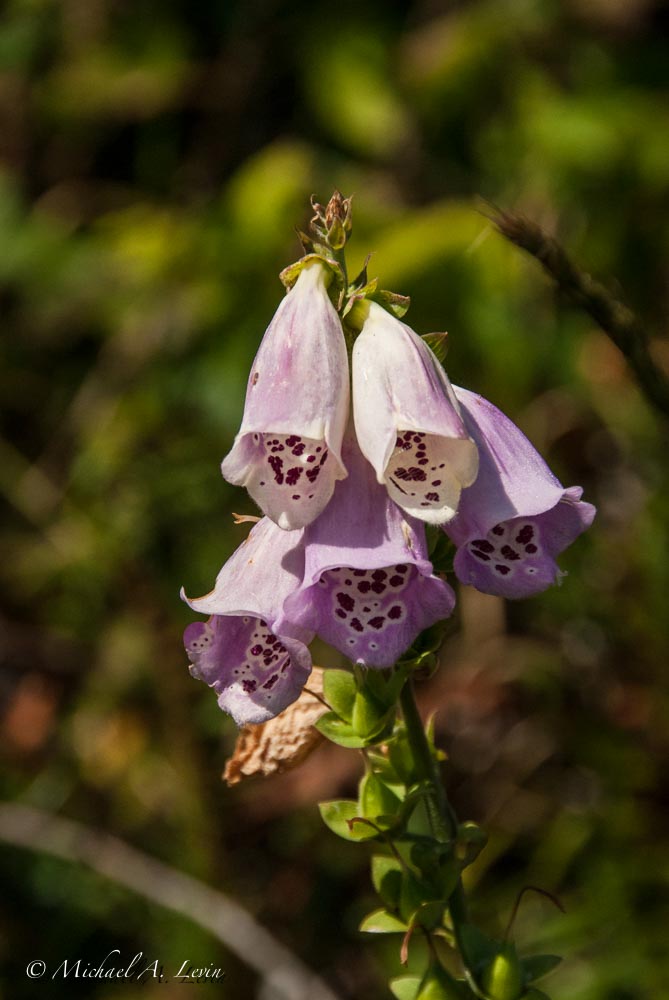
536 966
405 987
382 922
337 815
470 842
338 731
339 689
387 879
376 799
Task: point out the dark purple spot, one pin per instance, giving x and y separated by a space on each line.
339 613
378 587
432 496
359 572
525 535
293 475
249 686
502 569
531 549
412 475
311 458
509 553
396 581
256 650
271 682
298 449
346 601
295 496
436 482
395 612
364 586
366 609
401 568
481 555
379 574
293 440
312 474
483 544
498 529
377 622
356 624
323 457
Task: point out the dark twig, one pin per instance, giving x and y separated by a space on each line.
615 318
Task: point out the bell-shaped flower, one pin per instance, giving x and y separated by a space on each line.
516 518
368 587
255 670
288 450
407 419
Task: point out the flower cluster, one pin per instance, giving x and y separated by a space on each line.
348 470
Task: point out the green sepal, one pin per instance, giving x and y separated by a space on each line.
422 655
290 274
362 292
387 879
438 344
338 731
382 922
405 987
377 801
470 841
536 966
438 984
535 994
339 815
370 717
339 690
502 977
392 302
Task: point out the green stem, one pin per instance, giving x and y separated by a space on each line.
442 817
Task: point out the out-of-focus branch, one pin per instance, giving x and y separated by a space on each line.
284 975
615 318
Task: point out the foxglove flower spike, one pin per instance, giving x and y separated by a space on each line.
288 450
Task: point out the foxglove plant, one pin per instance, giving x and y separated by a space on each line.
342 553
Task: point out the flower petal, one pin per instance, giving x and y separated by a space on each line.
368 585
407 419
288 449
517 517
254 668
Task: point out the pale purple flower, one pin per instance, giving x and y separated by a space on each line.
368 587
516 518
288 450
255 669
407 419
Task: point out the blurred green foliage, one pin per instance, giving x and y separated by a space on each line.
156 157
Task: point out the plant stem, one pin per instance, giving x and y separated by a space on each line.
442 817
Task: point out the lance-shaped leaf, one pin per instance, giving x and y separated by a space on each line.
255 670
288 450
517 517
408 421
368 585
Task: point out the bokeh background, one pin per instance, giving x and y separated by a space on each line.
156 157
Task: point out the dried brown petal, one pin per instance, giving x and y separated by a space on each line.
283 742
